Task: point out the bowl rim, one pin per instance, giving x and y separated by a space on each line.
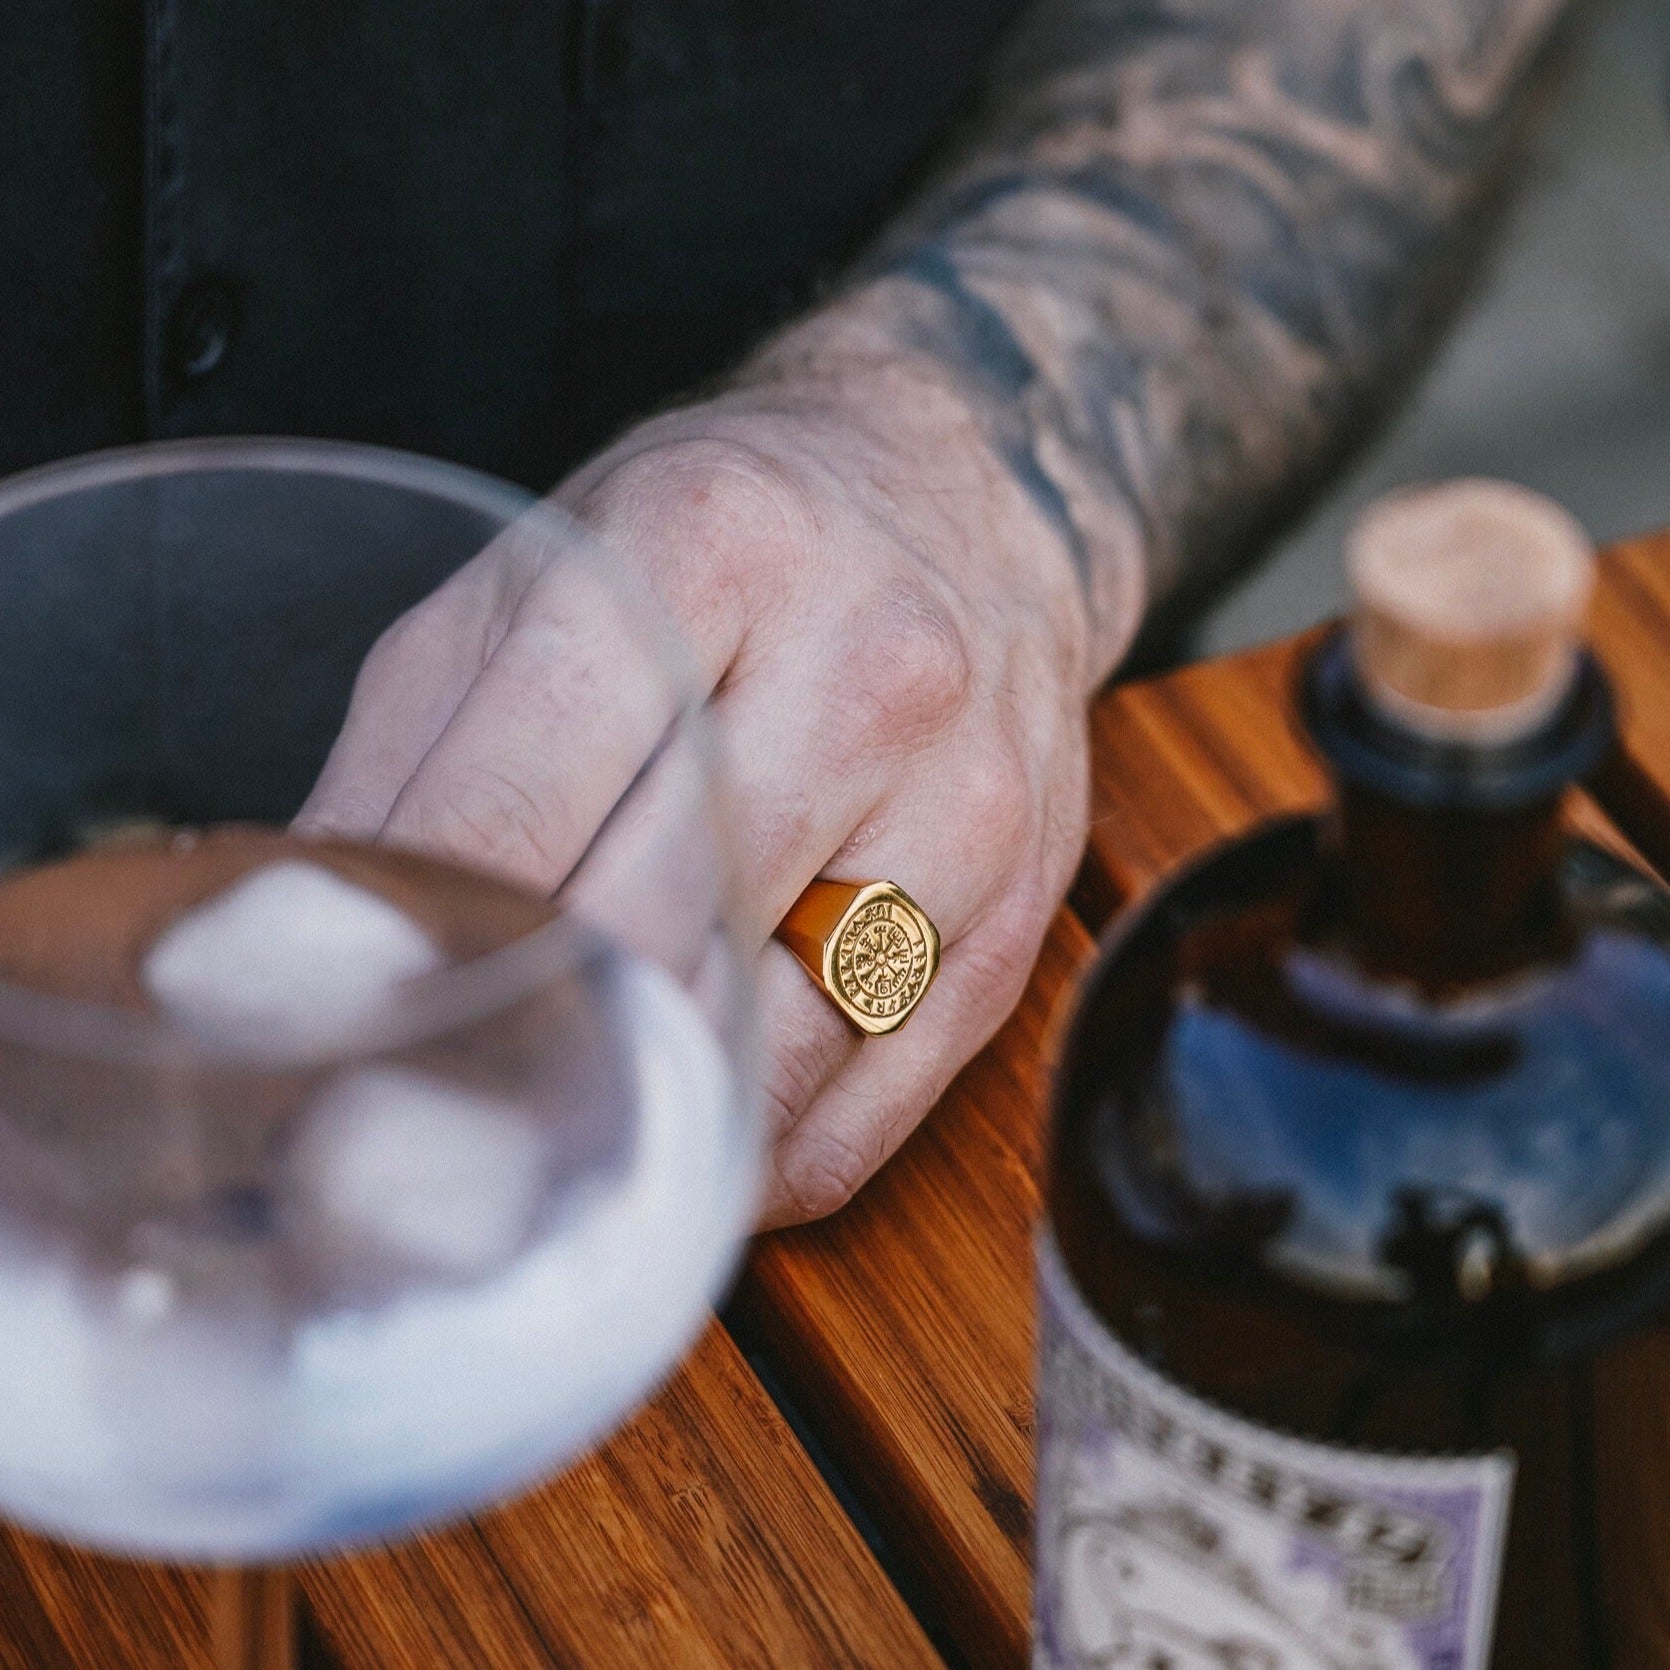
427 1006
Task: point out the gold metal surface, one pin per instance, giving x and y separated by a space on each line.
869 945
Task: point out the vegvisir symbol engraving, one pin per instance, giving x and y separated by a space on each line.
881 958
882 961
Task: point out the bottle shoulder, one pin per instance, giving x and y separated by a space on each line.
1238 1091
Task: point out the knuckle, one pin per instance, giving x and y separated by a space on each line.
998 959
341 810
994 797
737 491
788 825
907 664
719 528
398 645
714 516
489 820
464 616
799 1065
822 1170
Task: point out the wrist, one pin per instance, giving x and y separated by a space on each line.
963 451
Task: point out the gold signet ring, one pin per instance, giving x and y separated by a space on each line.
869 945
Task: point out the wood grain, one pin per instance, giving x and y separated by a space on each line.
903 1325
1632 634
1189 759
253 1618
438 1600
699 1536
63 1609
1183 761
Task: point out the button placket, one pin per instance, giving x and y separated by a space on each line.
200 329
190 319
164 192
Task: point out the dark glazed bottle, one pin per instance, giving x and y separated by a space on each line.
1358 1251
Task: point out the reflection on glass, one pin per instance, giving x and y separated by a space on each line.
340 1189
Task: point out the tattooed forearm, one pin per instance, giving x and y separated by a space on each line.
1191 241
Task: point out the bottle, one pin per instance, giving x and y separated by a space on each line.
1357 1251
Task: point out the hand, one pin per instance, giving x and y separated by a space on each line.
896 655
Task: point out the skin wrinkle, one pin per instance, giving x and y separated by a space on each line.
1193 241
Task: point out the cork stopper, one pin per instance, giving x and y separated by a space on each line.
1470 605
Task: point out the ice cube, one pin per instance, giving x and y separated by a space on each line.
145 1297
394 1171
290 945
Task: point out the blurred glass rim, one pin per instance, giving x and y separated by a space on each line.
409 472
419 1010
430 1005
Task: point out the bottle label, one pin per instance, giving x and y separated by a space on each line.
1173 1533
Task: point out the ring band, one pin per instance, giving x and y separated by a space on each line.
870 947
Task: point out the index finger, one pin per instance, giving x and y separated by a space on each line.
551 734
416 674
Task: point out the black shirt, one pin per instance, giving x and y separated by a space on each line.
492 230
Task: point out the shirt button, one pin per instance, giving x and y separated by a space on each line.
200 329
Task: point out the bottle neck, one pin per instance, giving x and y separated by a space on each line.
1448 853
1447 894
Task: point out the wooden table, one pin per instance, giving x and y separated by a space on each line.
900 1331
